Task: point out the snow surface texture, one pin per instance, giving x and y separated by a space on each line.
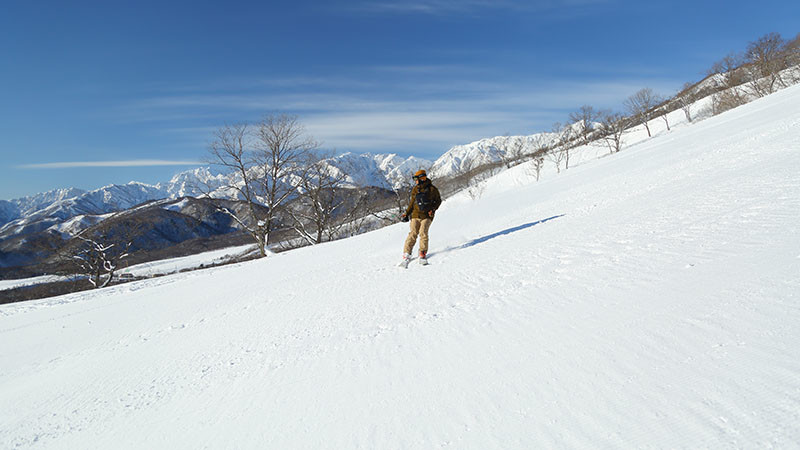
644 299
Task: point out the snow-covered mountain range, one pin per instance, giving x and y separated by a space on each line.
54 207
388 171
461 158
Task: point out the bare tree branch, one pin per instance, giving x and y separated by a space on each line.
585 117
612 127
640 106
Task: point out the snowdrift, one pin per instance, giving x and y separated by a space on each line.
644 299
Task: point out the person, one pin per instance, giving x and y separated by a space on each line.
425 200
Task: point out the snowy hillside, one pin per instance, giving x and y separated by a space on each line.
644 299
461 158
388 171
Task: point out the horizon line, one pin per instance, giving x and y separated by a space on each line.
123 163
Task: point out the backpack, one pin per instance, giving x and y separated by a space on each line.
424 201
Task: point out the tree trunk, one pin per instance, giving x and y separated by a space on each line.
261 242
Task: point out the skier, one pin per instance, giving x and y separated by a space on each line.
425 200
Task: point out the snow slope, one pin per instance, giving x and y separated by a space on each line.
32 281
174 265
152 268
644 299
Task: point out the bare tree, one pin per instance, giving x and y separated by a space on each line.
765 61
471 178
537 162
266 158
564 143
663 112
538 146
729 77
725 100
232 150
470 175
612 127
357 210
685 98
282 148
791 54
791 51
98 259
729 71
556 156
585 117
514 151
641 106
320 198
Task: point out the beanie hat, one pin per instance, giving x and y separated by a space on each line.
420 173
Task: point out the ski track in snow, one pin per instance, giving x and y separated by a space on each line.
645 299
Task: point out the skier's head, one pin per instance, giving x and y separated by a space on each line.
420 176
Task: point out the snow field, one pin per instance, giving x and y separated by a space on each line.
13 284
174 265
149 269
645 299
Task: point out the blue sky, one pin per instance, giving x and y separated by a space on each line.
95 93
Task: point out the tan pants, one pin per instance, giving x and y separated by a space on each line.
418 227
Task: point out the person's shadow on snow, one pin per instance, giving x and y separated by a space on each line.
483 239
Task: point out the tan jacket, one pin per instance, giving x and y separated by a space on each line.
426 191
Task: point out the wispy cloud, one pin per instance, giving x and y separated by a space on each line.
441 7
396 94
396 108
127 163
405 115
429 6
435 125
